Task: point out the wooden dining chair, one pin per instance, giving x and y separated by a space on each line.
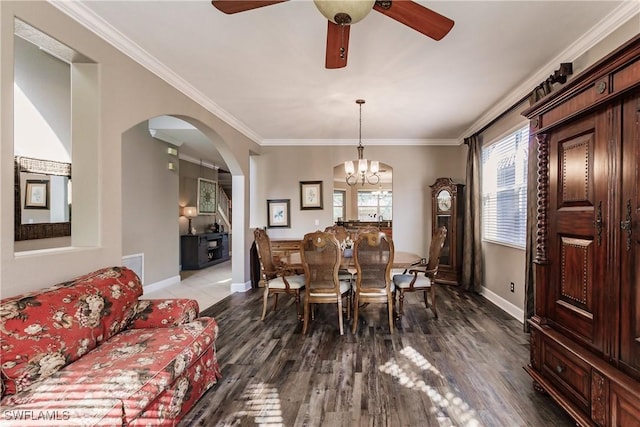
321 254
422 277
339 231
373 256
275 277
367 229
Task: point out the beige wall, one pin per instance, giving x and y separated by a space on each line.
125 95
415 168
504 264
620 36
189 174
149 204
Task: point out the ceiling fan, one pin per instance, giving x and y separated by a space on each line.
341 14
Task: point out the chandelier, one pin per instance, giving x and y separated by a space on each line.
367 171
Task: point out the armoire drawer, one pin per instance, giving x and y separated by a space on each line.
624 406
568 372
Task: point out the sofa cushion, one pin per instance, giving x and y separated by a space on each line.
172 404
161 313
134 367
43 331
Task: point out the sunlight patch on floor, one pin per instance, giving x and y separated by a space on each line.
263 404
447 407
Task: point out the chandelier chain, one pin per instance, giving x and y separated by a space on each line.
360 127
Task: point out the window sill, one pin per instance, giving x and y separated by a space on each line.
508 245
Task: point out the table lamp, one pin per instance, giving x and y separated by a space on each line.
190 212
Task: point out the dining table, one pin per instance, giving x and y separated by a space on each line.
401 260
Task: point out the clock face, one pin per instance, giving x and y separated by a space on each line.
444 201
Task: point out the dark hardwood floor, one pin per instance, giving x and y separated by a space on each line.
463 369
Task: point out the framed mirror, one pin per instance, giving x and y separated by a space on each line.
42 198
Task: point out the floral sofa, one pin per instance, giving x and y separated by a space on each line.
91 352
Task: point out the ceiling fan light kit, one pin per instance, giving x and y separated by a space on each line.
344 12
341 14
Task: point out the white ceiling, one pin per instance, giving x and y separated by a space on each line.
263 70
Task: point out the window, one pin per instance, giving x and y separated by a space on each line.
504 189
375 205
339 205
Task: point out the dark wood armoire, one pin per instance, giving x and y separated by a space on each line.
585 333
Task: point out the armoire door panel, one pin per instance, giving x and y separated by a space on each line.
629 242
576 221
574 307
576 278
576 158
575 241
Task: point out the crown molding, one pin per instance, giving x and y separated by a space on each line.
614 20
94 23
351 142
190 159
163 136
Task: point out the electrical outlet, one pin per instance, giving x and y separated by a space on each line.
512 287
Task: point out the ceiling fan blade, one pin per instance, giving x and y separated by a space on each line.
416 16
337 45
234 6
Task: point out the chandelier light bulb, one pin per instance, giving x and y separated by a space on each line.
349 169
375 167
362 165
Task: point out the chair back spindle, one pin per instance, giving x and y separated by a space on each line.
321 255
373 256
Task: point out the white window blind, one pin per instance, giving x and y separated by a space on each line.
504 189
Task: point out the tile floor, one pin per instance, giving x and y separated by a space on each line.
207 286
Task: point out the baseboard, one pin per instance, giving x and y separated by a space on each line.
240 287
513 310
162 284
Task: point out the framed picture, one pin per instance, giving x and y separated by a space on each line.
37 194
310 195
278 213
207 196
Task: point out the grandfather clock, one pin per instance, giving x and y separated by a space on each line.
448 209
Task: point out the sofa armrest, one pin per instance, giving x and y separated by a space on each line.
163 313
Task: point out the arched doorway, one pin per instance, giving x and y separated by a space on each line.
165 161
364 204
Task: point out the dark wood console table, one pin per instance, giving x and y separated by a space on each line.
203 250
